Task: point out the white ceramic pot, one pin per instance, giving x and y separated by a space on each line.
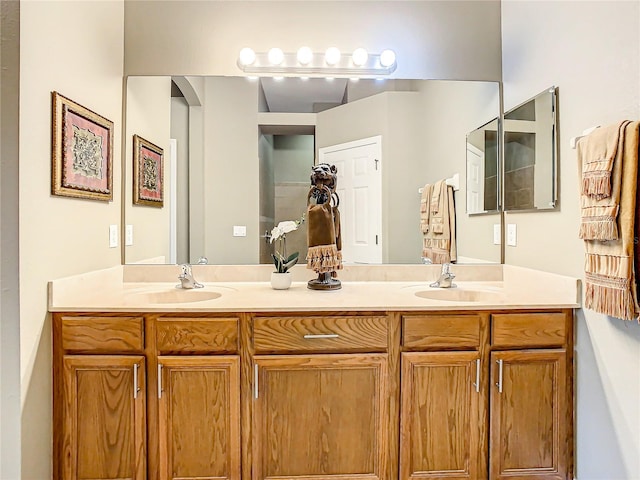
280 281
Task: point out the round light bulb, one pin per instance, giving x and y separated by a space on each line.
305 55
332 56
359 57
275 56
387 58
247 56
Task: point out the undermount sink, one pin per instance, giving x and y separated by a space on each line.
460 295
175 295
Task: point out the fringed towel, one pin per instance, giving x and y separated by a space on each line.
323 237
438 223
599 211
610 281
597 153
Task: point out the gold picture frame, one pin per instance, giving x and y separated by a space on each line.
148 173
82 151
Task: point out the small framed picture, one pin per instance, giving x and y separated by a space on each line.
148 170
82 151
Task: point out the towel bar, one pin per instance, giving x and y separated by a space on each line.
574 140
454 182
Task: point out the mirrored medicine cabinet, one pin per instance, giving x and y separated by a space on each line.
525 176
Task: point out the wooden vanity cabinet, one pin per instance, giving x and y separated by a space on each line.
318 413
444 397
531 396
99 398
197 366
341 396
149 396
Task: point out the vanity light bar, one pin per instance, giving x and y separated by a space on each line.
306 62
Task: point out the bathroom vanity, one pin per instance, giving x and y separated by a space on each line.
380 380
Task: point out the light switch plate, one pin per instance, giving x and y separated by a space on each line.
512 236
128 235
239 231
496 234
113 236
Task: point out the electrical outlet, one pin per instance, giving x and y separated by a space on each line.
239 231
128 235
496 234
512 237
113 236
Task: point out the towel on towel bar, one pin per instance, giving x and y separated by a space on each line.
599 211
438 223
610 278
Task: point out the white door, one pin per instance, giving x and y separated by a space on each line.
359 165
475 179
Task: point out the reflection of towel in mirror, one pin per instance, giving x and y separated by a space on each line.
438 223
598 212
323 238
610 281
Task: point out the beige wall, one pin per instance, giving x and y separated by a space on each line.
9 247
148 116
440 115
75 48
231 170
432 39
591 51
180 132
449 111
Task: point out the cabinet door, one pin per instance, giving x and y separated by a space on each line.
104 426
321 416
442 420
199 417
529 416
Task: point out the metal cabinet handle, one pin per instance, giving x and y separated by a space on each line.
136 385
477 382
159 380
499 384
322 335
255 380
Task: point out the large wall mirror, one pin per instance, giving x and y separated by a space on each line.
238 154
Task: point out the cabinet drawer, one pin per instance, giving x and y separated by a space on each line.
528 329
320 334
197 335
441 331
102 334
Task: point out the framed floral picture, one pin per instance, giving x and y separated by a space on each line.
82 151
148 173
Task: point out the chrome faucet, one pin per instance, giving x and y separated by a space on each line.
446 278
186 278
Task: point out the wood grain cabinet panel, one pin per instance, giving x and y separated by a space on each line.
103 432
442 421
192 335
321 417
529 329
320 334
98 334
441 331
199 412
529 415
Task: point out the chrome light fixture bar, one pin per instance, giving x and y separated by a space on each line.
306 62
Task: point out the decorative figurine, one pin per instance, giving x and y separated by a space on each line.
323 228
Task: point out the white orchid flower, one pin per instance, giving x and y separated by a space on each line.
283 228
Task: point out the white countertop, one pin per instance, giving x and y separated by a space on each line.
143 288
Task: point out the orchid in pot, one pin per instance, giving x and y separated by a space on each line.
281 261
